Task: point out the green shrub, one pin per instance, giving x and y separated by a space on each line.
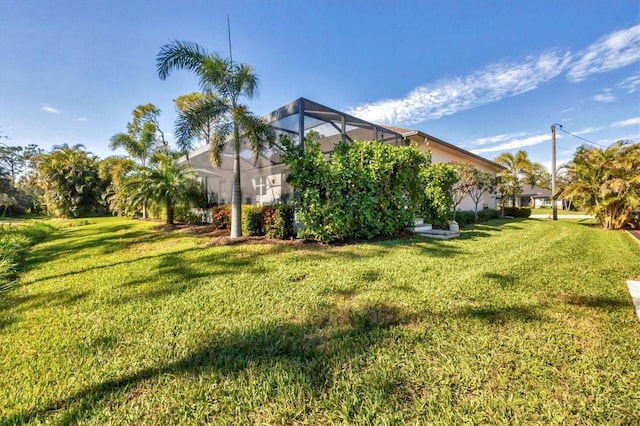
487 214
252 220
185 214
524 212
365 190
465 218
438 179
278 221
221 216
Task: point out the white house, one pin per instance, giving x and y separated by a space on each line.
264 180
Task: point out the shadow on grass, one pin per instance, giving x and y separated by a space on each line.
502 315
311 352
504 281
597 302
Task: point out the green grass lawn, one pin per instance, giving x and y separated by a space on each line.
524 321
549 212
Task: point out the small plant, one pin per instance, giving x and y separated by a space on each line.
221 216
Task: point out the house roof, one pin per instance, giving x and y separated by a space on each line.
432 140
535 191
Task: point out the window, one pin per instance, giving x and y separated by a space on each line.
260 185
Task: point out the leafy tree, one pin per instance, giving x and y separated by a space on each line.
69 177
12 160
521 170
231 82
142 116
507 187
606 182
482 184
463 186
163 182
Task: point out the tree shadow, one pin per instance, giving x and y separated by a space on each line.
596 302
310 351
503 280
495 315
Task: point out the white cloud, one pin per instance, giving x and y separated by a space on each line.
516 144
629 122
635 138
610 52
606 96
50 109
494 82
587 130
496 138
630 84
82 119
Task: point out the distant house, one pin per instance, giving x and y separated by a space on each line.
536 197
264 180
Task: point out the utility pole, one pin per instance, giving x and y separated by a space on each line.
553 170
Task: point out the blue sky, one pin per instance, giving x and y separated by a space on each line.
489 76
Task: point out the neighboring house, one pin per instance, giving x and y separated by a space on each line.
536 197
264 180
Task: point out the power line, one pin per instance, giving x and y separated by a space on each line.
580 137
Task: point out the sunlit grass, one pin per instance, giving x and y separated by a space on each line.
515 322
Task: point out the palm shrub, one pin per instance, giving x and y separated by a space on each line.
164 183
606 182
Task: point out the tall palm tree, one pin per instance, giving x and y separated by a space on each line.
231 82
519 169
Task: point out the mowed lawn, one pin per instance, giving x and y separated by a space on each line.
524 321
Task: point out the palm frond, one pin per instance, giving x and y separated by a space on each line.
258 132
180 55
191 121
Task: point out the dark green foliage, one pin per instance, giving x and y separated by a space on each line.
221 216
517 212
278 220
439 179
252 220
487 214
365 190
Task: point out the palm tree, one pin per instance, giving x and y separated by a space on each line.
606 182
231 82
519 169
69 177
139 144
163 182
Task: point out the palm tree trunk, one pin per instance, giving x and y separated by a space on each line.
236 196
169 212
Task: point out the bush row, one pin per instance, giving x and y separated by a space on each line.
275 221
